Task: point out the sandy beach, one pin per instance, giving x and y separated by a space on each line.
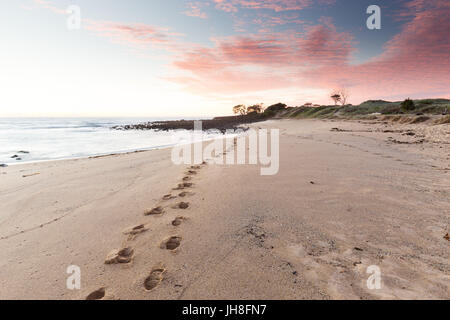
348 195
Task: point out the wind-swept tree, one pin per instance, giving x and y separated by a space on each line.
340 96
336 98
240 109
256 108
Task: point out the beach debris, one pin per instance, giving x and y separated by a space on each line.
3 165
339 130
157 210
23 152
14 156
391 139
447 237
171 243
155 277
312 182
356 263
358 249
18 159
97 294
30 175
120 256
183 205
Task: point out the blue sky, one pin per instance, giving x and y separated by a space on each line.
199 58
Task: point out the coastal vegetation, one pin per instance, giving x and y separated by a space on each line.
407 111
372 108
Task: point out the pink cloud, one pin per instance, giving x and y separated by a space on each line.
416 62
267 20
276 5
48 5
261 62
195 9
135 33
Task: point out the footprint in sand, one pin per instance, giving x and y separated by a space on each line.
135 230
187 178
97 294
178 220
155 278
192 172
181 205
168 197
183 194
195 167
154 211
171 243
124 255
183 185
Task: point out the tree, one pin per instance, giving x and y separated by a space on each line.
240 109
336 98
256 108
340 96
344 96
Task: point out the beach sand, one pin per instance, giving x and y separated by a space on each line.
348 195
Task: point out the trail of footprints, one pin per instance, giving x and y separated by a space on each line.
125 255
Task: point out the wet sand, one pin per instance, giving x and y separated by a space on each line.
343 200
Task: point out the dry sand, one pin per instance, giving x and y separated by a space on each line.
343 200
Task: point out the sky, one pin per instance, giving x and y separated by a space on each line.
200 58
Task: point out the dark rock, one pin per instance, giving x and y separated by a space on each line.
220 123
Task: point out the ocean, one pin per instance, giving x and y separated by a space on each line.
39 139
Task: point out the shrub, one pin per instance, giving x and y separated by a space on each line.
408 105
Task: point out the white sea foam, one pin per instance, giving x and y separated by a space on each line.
62 138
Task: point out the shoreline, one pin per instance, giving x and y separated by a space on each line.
242 235
94 156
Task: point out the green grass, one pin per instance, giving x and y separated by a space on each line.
426 106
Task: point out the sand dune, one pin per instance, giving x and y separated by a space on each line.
140 227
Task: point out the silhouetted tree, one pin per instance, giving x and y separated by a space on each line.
340 96
336 98
256 108
240 109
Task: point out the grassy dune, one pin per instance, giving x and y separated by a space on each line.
372 108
